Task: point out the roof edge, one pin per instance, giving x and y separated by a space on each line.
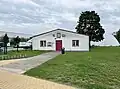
56 30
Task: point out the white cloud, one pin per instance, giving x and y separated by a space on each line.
45 14
22 2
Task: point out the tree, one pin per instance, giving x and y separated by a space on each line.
117 35
1 42
12 42
1 39
5 41
23 39
17 41
89 24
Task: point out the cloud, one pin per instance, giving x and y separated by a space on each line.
38 15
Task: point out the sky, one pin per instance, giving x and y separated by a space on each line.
35 16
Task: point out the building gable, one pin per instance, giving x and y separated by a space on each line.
60 32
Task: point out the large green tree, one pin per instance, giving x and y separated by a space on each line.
117 35
5 41
16 42
89 24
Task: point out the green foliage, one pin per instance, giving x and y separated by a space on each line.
23 39
117 35
5 40
17 41
89 24
13 41
98 69
1 39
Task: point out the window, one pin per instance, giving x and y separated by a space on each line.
49 44
75 43
43 43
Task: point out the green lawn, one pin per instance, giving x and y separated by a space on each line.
98 69
20 54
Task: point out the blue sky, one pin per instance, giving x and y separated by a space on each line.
34 16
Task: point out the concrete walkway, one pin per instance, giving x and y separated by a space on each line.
22 65
15 81
10 80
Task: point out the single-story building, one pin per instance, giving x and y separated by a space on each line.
59 38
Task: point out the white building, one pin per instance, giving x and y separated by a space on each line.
59 38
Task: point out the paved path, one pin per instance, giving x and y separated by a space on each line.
15 81
10 80
22 65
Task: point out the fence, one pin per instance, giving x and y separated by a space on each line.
6 57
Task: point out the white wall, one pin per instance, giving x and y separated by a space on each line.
36 43
66 41
83 44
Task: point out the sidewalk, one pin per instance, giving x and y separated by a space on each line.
15 81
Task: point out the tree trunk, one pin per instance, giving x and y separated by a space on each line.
6 49
17 48
89 43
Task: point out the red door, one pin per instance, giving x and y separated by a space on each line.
58 45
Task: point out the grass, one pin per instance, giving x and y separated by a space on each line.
20 54
98 69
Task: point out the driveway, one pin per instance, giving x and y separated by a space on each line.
22 65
